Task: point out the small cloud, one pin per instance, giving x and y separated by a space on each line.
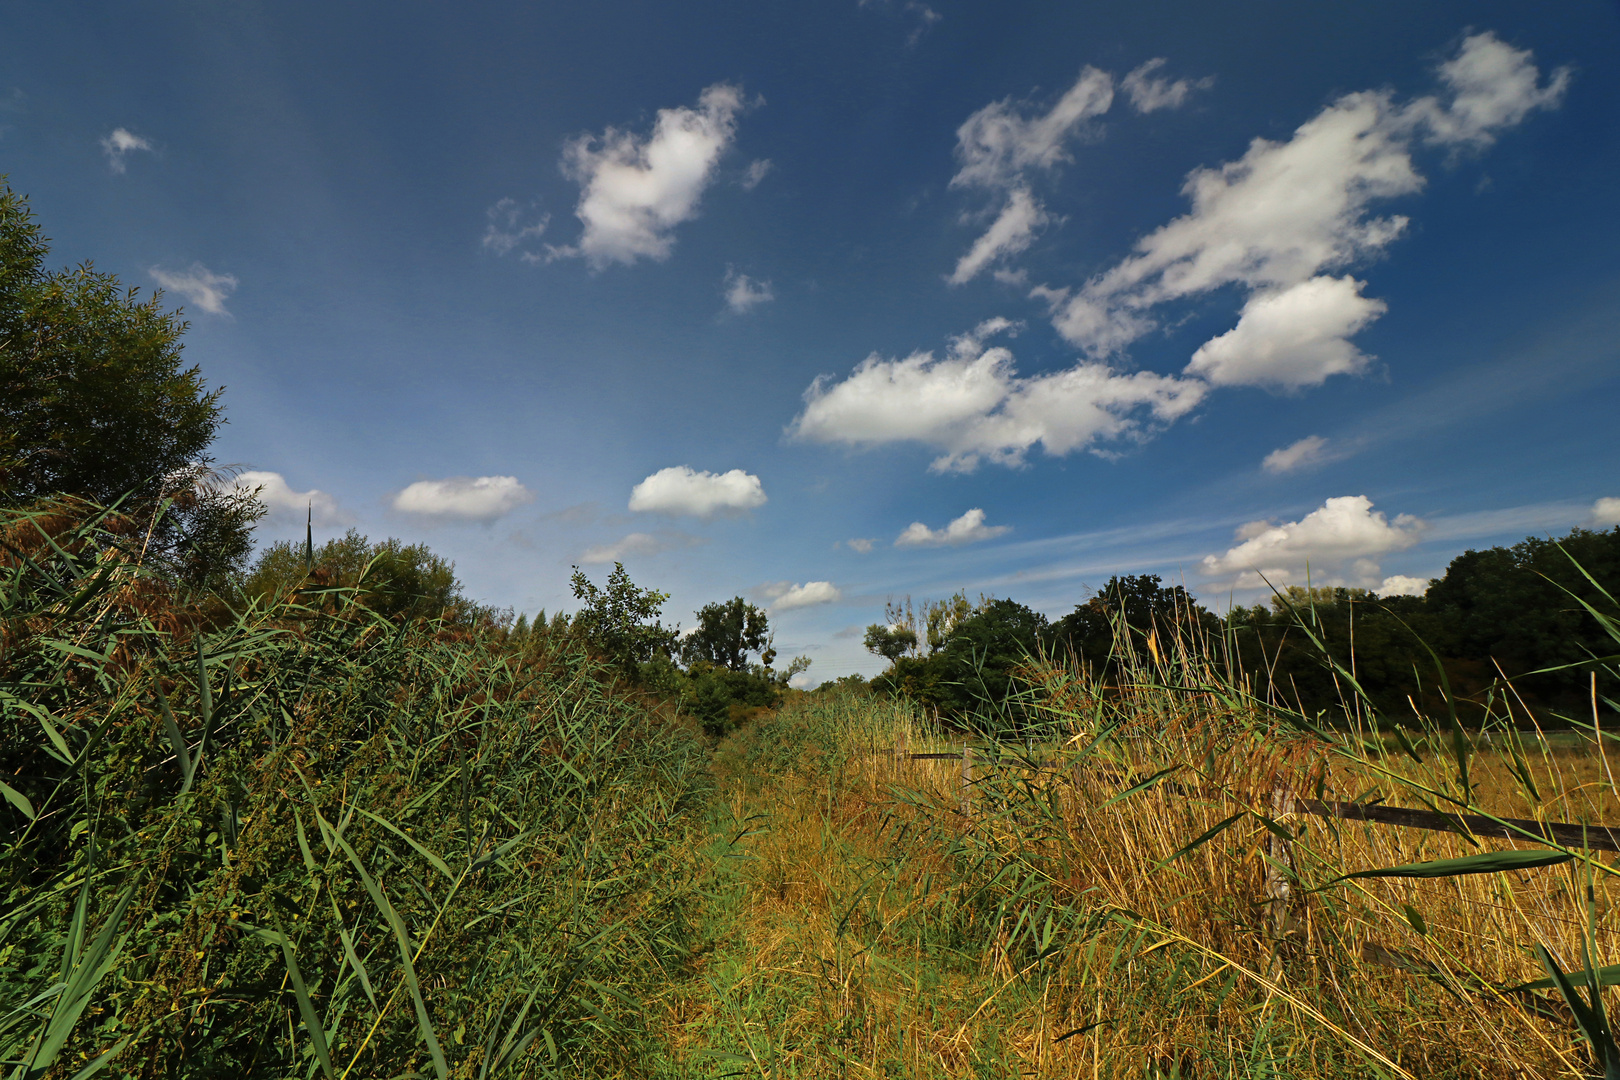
470 498
924 15
1606 512
635 190
121 143
683 490
861 544
199 285
757 171
639 544
849 632
1402 585
743 293
967 529
511 226
1311 450
285 504
1148 94
1013 231
787 596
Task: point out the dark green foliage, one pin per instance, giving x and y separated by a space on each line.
95 403
1505 611
1138 603
890 642
394 579
971 676
312 840
622 621
726 633
722 699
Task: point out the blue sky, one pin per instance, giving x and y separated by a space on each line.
826 303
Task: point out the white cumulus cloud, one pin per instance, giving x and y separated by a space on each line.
120 144
861 544
1150 94
973 405
635 190
1272 221
471 498
1311 450
1337 543
1606 512
1493 86
681 489
512 226
744 293
967 529
786 596
199 285
1291 338
1402 585
285 504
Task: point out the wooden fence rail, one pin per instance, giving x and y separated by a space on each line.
1590 837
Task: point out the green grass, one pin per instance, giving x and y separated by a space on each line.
307 841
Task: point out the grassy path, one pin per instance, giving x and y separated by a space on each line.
831 951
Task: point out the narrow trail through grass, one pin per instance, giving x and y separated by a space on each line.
824 953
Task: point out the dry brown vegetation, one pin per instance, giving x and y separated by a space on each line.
1067 928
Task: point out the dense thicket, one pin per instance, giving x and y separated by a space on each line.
316 839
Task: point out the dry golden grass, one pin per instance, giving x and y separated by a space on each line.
876 931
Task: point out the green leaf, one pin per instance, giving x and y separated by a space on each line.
17 799
1143 786
1201 840
1490 862
1606 976
306 1007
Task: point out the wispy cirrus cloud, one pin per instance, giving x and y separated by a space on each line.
640 545
1149 93
1310 451
199 285
513 226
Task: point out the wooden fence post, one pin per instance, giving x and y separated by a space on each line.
1279 887
967 781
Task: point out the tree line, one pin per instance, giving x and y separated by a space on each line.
1514 621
